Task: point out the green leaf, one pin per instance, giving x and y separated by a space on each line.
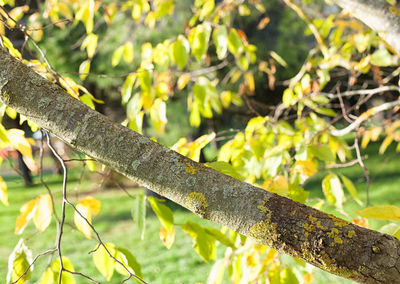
66 278
322 152
381 57
333 191
134 106
204 244
381 212
207 9
126 90
220 38
225 168
235 44
87 101
180 51
222 238
19 261
351 188
84 69
103 262
117 55
139 213
288 276
128 52
145 79
129 261
163 213
90 44
391 229
198 39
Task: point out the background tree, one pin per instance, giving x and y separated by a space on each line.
209 63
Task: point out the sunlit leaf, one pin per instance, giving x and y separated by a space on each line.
351 188
263 23
235 44
103 262
117 55
3 192
381 57
18 262
66 278
43 212
204 244
220 38
220 237
183 80
163 213
225 168
27 212
381 212
84 69
19 142
88 207
129 261
167 236
198 39
333 191
306 168
90 44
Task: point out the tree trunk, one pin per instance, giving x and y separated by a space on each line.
378 16
323 240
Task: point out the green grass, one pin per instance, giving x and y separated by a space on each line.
180 264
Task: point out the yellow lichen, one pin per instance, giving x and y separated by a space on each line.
265 231
197 203
191 169
351 234
338 240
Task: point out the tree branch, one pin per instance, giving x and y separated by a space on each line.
377 15
323 240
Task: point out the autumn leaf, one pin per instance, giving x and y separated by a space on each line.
88 207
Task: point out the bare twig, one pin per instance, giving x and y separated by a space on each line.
364 116
344 165
83 275
64 193
42 180
33 262
365 170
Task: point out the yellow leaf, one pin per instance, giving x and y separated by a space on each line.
90 44
386 142
93 204
84 69
81 223
43 212
249 78
3 192
19 142
167 236
183 80
104 263
277 185
263 23
305 168
150 20
87 207
27 211
381 212
70 85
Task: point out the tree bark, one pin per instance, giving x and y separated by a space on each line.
323 240
378 16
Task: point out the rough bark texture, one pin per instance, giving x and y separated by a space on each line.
323 240
377 15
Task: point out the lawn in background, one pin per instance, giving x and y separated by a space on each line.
180 264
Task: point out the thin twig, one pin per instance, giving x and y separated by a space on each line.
344 165
83 275
366 174
64 193
364 116
33 261
42 180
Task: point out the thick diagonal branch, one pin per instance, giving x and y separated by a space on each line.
321 239
378 16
